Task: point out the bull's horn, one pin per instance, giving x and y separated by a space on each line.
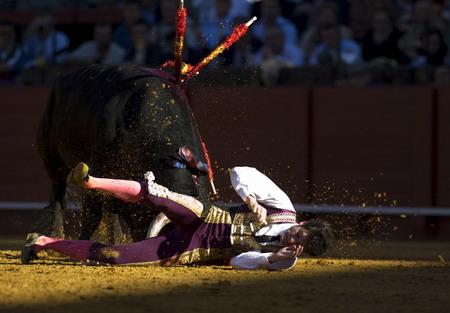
157 224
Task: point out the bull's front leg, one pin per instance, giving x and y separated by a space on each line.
91 215
51 219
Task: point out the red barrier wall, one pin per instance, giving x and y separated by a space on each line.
322 145
372 141
264 128
22 176
443 148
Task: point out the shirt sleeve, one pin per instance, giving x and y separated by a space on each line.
254 260
249 181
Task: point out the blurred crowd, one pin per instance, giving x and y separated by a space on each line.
352 39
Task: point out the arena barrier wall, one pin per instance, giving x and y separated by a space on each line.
372 146
22 177
442 161
366 147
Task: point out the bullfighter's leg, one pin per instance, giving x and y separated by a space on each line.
183 210
144 251
126 190
178 246
140 252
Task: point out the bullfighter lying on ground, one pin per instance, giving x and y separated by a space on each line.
262 233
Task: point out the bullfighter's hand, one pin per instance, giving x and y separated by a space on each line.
257 209
285 253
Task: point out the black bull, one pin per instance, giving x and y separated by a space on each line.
123 121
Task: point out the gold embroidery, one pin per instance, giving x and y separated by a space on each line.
217 215
283 217
244 243
160 191
245 225
187 201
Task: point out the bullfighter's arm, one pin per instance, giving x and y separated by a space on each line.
249 182
253 260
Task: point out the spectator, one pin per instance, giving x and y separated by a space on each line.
163 34
143 52
422 20
132 13
276 54
361 14
433 47
302 15
10 53
382 39
7 4
216 29
327 14
446 10
277 48
410 55
404 9
101 49
33 5
271 15
150 11
96 4
43 44
334 51
207 11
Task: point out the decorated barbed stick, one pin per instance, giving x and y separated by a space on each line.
179 40
210 171
237 33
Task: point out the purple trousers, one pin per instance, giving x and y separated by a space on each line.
192 241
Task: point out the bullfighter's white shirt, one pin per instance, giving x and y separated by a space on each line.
249 181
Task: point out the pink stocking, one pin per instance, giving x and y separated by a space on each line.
127 190
78 249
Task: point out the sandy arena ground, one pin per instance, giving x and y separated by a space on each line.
361 276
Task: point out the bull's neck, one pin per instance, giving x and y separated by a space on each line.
166 76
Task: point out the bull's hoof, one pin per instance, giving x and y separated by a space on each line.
28 253
78 175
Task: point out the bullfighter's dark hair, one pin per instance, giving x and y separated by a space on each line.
320 237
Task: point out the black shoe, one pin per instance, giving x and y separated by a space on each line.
28 253
78 174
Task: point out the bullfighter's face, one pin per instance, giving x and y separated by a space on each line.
295 236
